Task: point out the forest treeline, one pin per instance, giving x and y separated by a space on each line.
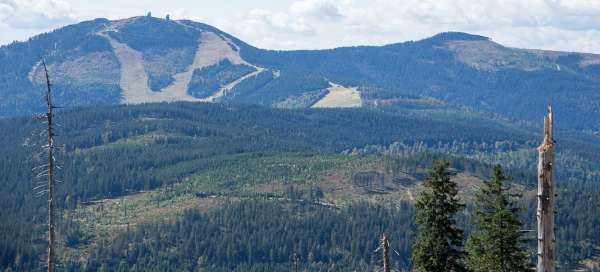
119 150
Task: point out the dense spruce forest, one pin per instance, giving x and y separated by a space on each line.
230 187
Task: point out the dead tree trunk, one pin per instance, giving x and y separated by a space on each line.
385 246
546 199
51 164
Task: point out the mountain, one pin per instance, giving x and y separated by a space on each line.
147 59
306 160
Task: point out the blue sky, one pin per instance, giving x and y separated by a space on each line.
567 25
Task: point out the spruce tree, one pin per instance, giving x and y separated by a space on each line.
439 245
497 244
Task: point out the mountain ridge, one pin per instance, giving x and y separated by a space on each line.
147 59
186 185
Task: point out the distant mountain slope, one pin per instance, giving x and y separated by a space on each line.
147 59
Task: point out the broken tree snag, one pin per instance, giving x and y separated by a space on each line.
385 245
545 200
51 167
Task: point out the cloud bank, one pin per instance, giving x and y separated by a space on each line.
566 25
572 25
19 18
35 13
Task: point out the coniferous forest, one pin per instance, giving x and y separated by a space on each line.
222 187
164 144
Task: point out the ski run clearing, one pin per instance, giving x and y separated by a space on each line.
134 80
340 97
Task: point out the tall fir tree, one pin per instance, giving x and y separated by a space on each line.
439 246
498 244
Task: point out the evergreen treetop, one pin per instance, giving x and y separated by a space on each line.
498 243
439 244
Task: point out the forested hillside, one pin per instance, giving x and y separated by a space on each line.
222 187
148 59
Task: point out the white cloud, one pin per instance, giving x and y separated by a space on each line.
263 28
570 25
318 9
274 22
35 14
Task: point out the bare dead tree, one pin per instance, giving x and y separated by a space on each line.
546 200
50 148
295 262
385 246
